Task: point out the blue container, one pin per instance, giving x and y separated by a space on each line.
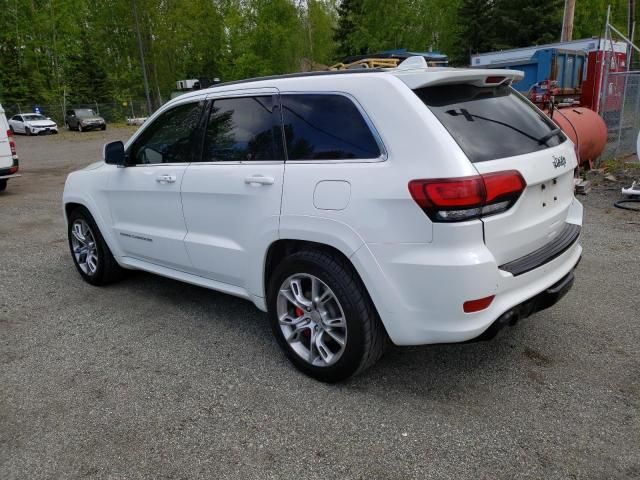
567 67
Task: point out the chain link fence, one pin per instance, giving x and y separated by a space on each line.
112 112
620 109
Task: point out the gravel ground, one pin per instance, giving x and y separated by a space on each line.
151 378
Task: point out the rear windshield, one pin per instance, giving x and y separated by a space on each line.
490 122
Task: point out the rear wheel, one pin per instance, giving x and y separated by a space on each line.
322 316
3 185
104 127
89 251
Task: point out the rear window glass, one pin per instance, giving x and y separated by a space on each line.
490 122
327 127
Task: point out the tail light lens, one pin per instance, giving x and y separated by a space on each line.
12 144
467 198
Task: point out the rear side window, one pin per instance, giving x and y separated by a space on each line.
243 129
490 122
327 127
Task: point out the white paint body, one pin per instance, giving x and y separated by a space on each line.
212 227
21 123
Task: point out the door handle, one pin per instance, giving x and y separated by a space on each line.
166 178
259 180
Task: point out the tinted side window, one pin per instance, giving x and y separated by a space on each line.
243 129
329 127
171 138
490 122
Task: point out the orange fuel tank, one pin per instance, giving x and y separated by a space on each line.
585 128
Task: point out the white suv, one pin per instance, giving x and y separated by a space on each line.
420 205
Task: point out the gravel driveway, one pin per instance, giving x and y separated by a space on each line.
151 378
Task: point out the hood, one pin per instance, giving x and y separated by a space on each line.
95 165
41 123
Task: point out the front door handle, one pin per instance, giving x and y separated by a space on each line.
166 178
259 180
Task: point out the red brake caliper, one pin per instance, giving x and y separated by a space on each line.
299 312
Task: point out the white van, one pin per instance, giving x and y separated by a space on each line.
8 155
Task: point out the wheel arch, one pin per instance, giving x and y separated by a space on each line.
74 202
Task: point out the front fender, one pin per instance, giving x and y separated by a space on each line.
84 196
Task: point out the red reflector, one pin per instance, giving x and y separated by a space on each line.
477 305
495 80
13 170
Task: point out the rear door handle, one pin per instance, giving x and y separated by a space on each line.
166 178
259 180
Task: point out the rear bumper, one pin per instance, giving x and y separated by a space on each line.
542 301
10 172
419 289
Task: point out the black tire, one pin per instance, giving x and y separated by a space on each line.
27 131
3 185
104 127
108 270
366 339
80 128
11 128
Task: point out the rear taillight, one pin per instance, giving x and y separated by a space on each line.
467 198
12 144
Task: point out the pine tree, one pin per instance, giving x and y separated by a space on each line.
88 80
521 23
349 13
476 29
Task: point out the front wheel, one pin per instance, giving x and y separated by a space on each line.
103 127
89 251
27 131
80 127
322 316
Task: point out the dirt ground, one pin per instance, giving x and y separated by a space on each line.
150 378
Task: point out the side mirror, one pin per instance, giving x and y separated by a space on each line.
113 153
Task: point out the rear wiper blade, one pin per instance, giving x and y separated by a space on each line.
549 136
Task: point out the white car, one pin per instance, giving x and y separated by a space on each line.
32 124
8 156
416 205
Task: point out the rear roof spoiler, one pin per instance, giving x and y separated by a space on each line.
427 77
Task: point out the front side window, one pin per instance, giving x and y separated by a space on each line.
171 138
326 127
243 129
490 122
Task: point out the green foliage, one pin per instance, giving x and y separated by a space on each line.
476 30
520 23
86 51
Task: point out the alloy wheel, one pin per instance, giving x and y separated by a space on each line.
84 247
311 319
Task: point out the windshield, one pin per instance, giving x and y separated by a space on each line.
34 116
490 122
85 112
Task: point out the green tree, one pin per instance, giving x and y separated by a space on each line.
475 29
520 23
